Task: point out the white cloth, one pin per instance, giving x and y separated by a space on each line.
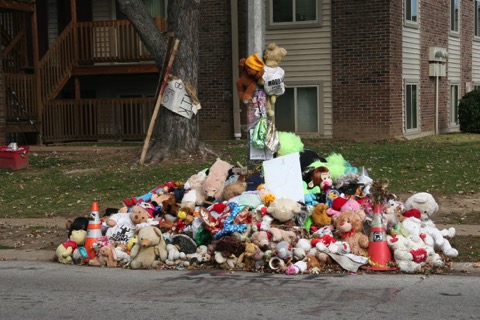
273 77
124 230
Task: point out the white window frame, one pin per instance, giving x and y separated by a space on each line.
413 6
417 107
454 16
454 99
294 24
319 86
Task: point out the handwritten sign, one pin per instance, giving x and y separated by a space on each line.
283 177
176 99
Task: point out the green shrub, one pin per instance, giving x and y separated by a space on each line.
469 112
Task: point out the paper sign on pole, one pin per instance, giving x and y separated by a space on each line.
283 177
177 99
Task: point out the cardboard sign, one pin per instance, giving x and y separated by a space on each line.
176 99
283 177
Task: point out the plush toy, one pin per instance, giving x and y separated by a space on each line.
426 204
320 177
251 70
341 204
282 235
106 257
79 223
349 226
123 258
247 258
400 247
150 244
289 143
234 189
194 191
283 250
261 239
284 209
215 182
122 225
273 77
65 250
320 218
298 267
200 256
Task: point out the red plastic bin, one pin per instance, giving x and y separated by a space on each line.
14 159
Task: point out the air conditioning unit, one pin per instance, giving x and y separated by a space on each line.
437 54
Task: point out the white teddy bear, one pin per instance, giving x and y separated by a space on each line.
426 204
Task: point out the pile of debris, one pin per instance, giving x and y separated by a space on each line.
323 216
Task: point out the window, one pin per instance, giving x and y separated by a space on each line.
454 90
477 18
454 15
411 11
297 110
411 107
293 13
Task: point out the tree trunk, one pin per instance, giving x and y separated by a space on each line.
177 136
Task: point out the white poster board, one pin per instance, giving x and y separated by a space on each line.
176 99
283 177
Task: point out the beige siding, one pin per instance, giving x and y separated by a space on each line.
476 62
309 60
411 53
454 59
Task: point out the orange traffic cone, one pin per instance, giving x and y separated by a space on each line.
380 257
93 231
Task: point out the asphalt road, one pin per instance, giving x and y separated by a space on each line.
43 290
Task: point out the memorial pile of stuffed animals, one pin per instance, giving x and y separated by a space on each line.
225 217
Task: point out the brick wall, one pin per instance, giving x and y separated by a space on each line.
366 69
434 30
215 71
2 108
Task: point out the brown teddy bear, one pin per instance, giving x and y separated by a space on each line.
251 69
320 218
273 75
349 226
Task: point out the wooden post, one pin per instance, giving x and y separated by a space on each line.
159 100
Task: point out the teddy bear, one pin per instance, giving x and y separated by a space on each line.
349 226
65 250
261 239
193 195
106 257
273 76
426 204
284 209
247 259
402 254
122 225
251 70
149 245
320 218
215 182
234 189
123 258
278 235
